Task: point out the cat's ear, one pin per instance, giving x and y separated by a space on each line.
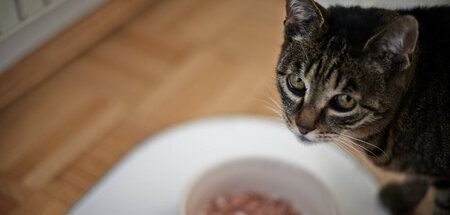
399 38
305 19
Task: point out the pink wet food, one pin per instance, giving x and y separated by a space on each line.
250 203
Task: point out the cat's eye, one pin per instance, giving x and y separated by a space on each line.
343 103
296 84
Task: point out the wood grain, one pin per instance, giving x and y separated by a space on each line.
177 60
69 44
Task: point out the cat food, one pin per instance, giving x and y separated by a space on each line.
250 203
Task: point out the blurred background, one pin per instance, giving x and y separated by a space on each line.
122 72
82 82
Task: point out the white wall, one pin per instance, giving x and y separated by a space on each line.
35 29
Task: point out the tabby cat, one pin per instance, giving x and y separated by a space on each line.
378 78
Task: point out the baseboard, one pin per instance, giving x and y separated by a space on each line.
37 28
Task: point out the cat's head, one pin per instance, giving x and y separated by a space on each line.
335 81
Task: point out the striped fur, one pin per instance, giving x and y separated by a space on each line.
395 64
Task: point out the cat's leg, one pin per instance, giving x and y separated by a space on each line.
441 197
402 197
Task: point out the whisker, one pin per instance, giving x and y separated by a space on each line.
274 102
275 111
370 144
272 93
274 106
361 147
356 150
342 148
278 119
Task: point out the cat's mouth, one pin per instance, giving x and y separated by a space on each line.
307 139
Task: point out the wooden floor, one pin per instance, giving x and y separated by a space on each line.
179 60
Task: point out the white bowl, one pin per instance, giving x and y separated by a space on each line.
268 175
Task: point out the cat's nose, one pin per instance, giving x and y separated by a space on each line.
304 129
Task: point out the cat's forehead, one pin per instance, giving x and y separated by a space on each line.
317 61
327 47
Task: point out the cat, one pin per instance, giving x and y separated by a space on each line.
378 78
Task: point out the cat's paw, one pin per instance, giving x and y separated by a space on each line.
400 198
392 196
